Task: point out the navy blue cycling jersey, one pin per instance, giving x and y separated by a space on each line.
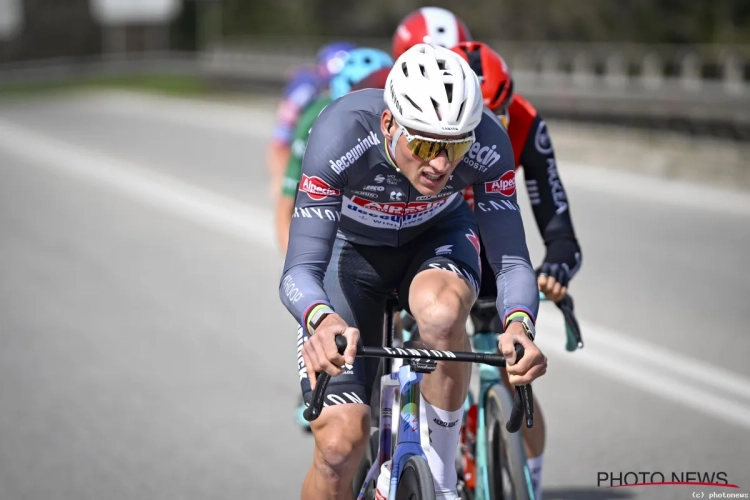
351 190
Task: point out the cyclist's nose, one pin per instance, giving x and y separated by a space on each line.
440 163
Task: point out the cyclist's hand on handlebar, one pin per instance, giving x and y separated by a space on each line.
562 260
551 288
533 364
320 352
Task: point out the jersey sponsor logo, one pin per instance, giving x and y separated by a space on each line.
396 195
391 215
444 250
290 290
312 212
434 196
398 208
542 140
380 178
493 205
373 188
366 194
354 154
481 157
316 188
505 185
558 193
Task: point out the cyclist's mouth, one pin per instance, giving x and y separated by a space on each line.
433 178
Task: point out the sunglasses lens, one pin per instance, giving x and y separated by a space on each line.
427 150
458 149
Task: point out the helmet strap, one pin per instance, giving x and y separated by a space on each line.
393 143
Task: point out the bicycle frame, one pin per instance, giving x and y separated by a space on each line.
486 341
408 436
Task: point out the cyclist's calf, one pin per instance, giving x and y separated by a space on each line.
341 434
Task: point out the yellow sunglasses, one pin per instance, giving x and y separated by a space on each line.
428 148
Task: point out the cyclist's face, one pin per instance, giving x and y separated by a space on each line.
429 177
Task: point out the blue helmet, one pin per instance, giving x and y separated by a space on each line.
359 65
331 57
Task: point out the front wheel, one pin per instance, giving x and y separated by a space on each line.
416 481
509 478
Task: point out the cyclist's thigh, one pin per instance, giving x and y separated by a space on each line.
357 283
452 245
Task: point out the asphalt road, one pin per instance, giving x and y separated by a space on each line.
145 353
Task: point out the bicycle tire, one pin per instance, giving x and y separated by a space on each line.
415 482
369 458
506 458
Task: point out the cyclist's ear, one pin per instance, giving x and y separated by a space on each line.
386 124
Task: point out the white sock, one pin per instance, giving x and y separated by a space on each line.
444 430
535 468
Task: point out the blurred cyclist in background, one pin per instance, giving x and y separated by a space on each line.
532 149
304 86
363 68
432 25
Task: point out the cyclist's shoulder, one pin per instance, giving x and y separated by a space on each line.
353 111
521 108
346 136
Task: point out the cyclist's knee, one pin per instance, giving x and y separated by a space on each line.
341 434
441 306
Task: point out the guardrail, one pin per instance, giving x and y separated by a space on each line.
700 89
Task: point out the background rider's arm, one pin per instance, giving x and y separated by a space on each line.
548 198
317 212
292 175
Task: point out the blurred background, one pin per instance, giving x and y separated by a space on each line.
145 352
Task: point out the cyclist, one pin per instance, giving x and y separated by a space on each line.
304 86
350 245
533 150
433 25
360 64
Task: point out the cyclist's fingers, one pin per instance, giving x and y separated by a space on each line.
321 349
556 289
352 337
311 363
542 282
531 356
534 373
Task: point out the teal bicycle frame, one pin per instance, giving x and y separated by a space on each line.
485 341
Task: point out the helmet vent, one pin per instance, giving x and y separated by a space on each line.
413 103
436 106
461 111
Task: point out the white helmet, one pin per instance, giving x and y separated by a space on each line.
432 89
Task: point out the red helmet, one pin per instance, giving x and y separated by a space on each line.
433 25
375 80
493 73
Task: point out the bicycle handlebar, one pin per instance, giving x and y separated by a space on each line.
572 328
523 400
